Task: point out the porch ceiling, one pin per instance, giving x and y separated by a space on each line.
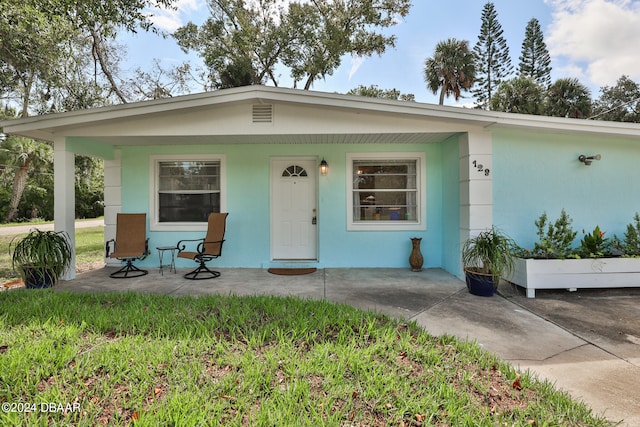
358 138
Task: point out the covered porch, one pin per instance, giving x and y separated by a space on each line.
245 130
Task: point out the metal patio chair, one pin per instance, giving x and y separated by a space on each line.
208 248
129 245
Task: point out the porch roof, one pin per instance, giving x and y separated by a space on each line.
300 116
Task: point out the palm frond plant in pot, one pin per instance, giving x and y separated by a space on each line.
486 258
41 257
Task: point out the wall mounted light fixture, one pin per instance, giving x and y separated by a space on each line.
324 167
588 159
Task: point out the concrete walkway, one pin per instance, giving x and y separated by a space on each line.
587 343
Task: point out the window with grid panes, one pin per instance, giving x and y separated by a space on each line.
385 190
186 190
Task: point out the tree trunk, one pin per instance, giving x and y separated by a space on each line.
27 84
98 51
19 183
309 82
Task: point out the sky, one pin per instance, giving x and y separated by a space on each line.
595 41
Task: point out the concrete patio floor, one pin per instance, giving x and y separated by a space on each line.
587 343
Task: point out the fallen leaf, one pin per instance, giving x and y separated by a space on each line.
355 394
157 391
516 384
3 348
135 416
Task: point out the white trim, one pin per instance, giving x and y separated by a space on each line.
314 175
421 193
46 126
154 160
64 198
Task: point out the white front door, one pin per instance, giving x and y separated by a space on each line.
293 208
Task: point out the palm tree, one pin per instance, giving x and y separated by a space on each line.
567 97
519 95
451 69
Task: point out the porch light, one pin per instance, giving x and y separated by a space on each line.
324 167
588 159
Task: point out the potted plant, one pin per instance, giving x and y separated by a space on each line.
41 257
486 258
598 261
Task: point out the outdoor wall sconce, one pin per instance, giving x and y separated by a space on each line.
324 167
588 159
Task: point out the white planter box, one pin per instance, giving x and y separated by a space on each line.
573 274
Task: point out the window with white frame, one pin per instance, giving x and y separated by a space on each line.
185 191
385 191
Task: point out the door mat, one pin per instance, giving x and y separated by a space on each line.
291 271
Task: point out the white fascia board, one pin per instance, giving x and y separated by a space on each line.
44 127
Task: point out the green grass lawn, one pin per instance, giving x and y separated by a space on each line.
150 360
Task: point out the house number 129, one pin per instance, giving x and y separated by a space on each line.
481 168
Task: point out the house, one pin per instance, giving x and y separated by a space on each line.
396 170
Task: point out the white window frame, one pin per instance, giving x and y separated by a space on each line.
154 176
419 223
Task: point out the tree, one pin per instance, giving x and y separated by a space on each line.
493 63
345 27
25 154
244 41
535 61
99 22
373 91
451 69
54 50
58 55
519 95
568 97
239 45
31 49
89 187
619 103
160 82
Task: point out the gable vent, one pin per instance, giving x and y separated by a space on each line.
262 113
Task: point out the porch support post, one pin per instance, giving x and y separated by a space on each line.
476 193
64 203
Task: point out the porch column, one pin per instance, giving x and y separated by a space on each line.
112 198
476 194
64 197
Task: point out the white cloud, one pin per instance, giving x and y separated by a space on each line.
596 39
356 62
172 19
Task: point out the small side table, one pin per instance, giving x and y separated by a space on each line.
161 251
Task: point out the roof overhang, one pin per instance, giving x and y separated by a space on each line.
404 121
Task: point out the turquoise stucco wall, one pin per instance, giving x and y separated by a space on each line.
451 206
534 173
248 240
